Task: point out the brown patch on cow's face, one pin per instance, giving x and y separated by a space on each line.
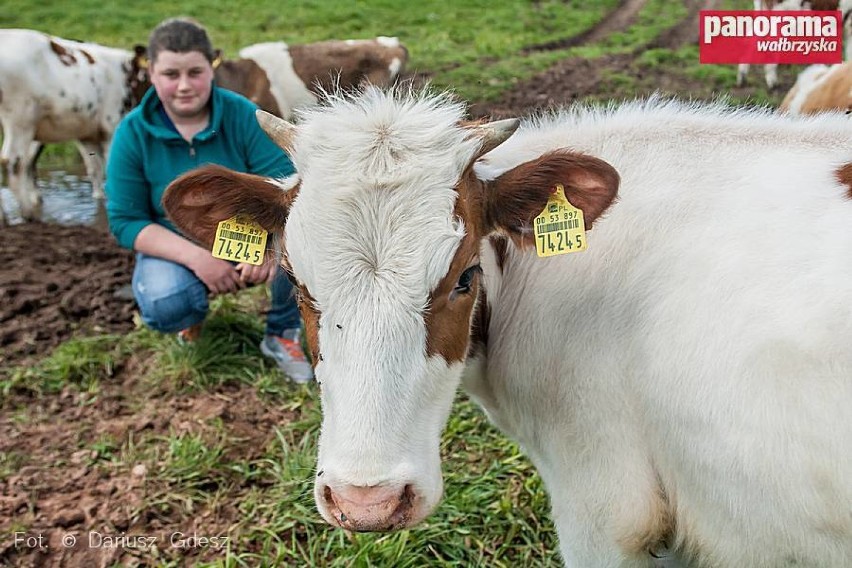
310 317
65 56
448 317
500 246
323 65
844 176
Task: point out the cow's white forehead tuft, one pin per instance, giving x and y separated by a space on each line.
374 216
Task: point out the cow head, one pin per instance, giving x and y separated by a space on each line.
381 234
138 81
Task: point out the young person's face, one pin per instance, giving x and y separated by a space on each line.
183 82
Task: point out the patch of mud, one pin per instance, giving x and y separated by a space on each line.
59 281
70 483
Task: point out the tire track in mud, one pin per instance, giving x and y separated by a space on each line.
619 19
577 77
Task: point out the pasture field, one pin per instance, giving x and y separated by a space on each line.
108 429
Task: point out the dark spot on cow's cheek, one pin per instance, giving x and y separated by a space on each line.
339 326
61 92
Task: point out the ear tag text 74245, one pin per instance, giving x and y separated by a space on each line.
240 239
560 228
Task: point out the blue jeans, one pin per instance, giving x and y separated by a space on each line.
171 297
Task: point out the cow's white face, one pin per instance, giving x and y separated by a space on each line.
382 257
381 233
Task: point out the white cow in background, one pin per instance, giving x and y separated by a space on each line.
299 73
845 7
56 90
685 384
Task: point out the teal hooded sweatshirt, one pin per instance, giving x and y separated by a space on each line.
147 153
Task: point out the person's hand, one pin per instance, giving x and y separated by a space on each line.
252 274
220 276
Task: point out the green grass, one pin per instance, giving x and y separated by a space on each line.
495 510
456 40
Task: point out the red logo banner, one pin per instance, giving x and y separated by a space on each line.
770 36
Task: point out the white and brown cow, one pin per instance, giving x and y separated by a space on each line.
820 88
57 90
685 383
246 77
845 7
299 73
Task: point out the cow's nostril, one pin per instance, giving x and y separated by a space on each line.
369 508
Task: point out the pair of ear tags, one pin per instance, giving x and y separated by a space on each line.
240 239
559 228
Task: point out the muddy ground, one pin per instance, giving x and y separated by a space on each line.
58 281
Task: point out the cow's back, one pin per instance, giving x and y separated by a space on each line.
820 88
289 90
702 340
71 90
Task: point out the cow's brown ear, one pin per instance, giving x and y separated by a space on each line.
198 200
518 196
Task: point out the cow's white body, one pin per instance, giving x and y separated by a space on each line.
289 90
79 94
695 362
685 383
293 83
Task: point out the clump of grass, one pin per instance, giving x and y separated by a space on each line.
81 362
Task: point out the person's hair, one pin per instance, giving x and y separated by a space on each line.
180 35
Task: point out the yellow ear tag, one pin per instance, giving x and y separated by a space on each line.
559 229
240 239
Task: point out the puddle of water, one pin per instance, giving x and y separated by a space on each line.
66 200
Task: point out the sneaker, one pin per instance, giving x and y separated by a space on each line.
190 334
287 352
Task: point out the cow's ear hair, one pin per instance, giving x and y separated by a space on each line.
198 200
519 195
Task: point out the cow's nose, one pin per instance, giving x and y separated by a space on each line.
370 508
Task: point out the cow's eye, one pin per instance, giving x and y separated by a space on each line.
466 279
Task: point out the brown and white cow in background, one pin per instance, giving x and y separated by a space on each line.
820 88
845 7
57 90
685 383
299 73
246 77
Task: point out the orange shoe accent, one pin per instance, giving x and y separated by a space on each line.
293 348
190 334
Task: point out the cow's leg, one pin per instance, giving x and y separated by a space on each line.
93 158
608 507
742 71
18 152
771 75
